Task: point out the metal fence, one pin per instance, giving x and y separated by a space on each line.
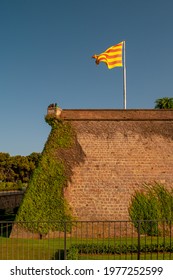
81 240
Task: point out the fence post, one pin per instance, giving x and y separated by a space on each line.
139 240
65 245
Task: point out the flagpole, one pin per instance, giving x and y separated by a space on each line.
124 74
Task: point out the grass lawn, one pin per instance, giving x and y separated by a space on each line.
29 249
45 249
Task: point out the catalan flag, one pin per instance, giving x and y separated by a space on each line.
112 56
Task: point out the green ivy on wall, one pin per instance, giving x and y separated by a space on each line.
44 200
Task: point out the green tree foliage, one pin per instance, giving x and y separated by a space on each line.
44 200
164 103
17 168
164 200
4 168
144 208
151 205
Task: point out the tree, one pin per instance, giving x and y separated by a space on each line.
164 103
4 158
18 168
152 207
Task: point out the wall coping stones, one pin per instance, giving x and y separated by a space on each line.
116 114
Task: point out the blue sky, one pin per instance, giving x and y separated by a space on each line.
45 57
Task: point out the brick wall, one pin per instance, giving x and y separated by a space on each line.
122 150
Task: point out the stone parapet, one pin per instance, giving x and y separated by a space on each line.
109 114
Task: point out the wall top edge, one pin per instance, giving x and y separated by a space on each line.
116 114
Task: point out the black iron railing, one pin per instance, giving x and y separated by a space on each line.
86 240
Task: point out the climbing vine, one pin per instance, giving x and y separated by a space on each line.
44 200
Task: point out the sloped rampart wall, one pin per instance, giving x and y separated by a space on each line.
122 150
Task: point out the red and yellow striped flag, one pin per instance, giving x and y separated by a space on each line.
112 56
